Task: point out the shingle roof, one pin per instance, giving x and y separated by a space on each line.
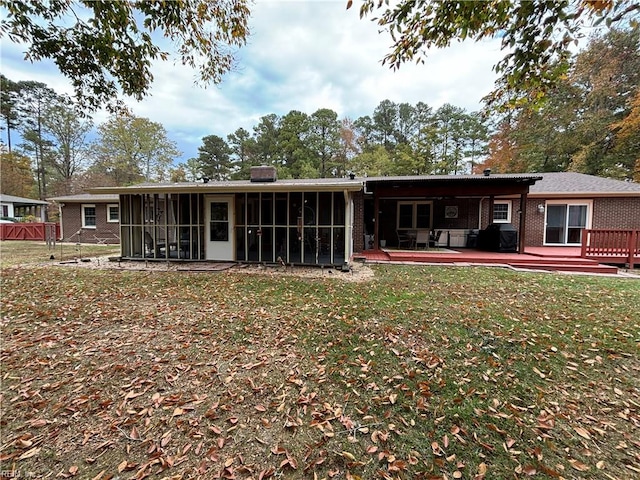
87 198
21 200
578 183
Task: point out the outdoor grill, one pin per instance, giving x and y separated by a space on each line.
498 237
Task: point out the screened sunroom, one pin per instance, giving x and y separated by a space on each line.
286 221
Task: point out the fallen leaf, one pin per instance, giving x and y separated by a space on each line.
30 453
578 465
583 432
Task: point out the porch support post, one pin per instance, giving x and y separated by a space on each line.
523 222
491 200
376 222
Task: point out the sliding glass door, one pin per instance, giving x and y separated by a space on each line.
565 223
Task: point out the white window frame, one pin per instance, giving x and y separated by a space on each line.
109 207
84 215
568 203
509 205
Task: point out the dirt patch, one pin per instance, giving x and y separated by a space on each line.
358 272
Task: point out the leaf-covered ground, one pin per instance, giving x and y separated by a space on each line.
422 372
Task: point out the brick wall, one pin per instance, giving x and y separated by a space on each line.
73 231
614 213
358 222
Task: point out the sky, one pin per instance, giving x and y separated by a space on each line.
302 55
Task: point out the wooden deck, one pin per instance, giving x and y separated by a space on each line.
562 259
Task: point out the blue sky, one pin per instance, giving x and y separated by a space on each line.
302 55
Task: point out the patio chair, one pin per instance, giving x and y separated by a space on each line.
422 238
404 239
434 238
159 250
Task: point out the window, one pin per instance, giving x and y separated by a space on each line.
88 216
113 213
502 211
219 224
414 215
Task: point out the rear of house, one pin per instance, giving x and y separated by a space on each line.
89 218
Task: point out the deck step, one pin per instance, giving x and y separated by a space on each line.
566 267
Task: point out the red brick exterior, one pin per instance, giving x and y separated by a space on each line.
358 222
615 213
73 231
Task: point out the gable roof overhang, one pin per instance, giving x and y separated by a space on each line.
451 185
20 201
86 198
238 186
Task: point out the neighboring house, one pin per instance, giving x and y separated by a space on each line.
87 218
20 208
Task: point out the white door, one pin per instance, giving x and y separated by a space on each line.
219 215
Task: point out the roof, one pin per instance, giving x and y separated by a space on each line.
558 184
234 186
20 200
86 198
530 177
572 184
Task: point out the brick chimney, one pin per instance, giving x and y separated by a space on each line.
263 173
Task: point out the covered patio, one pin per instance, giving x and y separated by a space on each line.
450 208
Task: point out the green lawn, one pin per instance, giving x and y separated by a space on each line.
14 252
422 372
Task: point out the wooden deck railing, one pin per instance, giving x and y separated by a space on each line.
29 231
615 246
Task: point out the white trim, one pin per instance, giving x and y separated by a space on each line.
220 250
509 204
109 207
568 203
84 216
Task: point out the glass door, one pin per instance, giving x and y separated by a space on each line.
565 223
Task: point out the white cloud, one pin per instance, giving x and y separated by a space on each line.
302 55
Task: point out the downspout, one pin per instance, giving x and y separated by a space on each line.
523 222
60 205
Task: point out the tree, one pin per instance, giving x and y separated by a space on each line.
349 147
68 131
450 139
242 150
266 136
536 35
324 140
17 176
477 137
34 100
214 158
130 149
111 44
8 93
385 118
627 136
292 145
606 76
577 127
373 162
